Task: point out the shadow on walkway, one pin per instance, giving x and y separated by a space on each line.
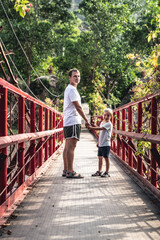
85 209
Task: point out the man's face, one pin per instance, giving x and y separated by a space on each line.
75 78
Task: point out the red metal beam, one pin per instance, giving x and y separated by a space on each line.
123 129
3 132
139 129
19 92
33 141
40 129
139 136
21 122
153 145
19 138
54 125
130 123
118 128
51 139
146 98
46 128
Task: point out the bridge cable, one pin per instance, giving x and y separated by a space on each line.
19 72
25 52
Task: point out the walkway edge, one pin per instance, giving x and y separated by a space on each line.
10 205
142 180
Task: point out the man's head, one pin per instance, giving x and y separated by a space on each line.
74 76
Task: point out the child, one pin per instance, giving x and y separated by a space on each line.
104 142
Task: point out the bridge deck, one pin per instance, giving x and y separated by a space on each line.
90 208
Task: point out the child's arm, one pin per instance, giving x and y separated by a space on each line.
96 128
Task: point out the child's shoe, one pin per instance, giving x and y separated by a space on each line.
97 174
105 174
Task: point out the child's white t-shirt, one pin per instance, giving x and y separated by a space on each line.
71 116
105 135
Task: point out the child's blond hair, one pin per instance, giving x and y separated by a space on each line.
108 110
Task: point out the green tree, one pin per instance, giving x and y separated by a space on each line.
35 33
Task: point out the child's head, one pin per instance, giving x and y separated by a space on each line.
107 113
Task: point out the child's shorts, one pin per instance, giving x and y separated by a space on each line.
104 151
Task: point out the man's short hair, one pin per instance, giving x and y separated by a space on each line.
72 70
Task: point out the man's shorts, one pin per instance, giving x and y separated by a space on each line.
72 131
104 151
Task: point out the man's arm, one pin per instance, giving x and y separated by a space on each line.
80 111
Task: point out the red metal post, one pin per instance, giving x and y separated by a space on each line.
21 129
3 132
54 136
153 145
33 141
123 129
111 137
114 125
139 128
130 123
51 138
118 137
46 128
41 139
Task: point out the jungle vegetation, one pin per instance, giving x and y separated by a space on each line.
115 44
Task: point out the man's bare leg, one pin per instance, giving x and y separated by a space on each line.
100 163
70 147
65 156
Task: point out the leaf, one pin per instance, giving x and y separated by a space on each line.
22 13
158 60
149 38
152 21
155 61
154 35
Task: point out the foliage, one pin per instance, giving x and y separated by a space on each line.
22 6
108 45
149 65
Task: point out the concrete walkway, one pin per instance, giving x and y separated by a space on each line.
85 209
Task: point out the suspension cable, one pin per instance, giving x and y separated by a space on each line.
18 71
24 51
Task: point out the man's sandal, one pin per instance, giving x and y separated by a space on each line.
97 174
64 173
74 175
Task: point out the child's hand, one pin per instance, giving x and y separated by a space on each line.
97 144
89 127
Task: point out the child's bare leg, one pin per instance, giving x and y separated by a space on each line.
100 163
107 164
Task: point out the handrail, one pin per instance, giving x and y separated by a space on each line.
24 137
139 136
143 99
21 93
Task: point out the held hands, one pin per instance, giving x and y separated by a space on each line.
87 124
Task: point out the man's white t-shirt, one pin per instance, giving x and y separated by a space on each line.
71 116
105 135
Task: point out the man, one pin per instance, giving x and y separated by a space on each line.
73 112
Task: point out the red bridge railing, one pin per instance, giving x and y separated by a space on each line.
136 138
30 132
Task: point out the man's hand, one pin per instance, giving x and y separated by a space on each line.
87 124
